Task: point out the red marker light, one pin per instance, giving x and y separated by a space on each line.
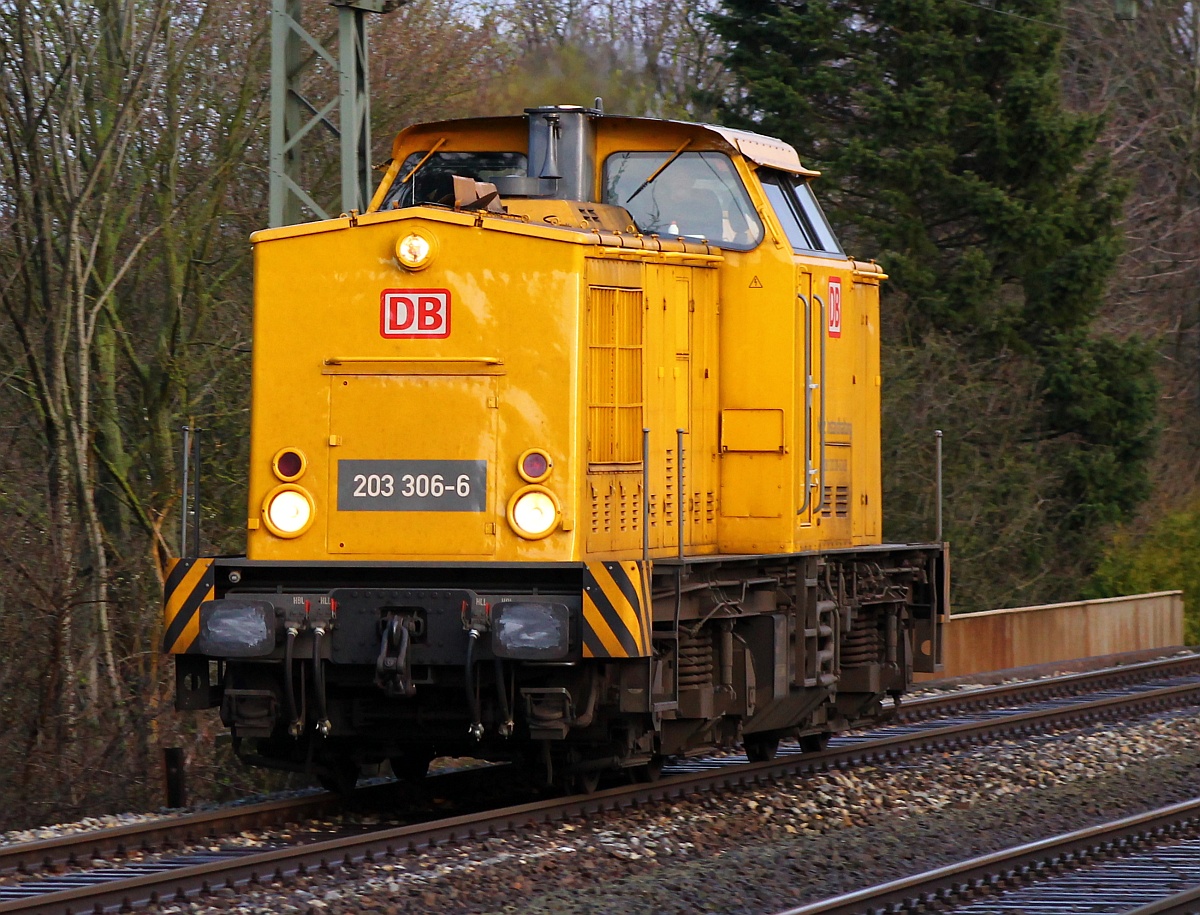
290 464
535 465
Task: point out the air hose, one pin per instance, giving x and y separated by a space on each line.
506 727
476 729
295 725
323 724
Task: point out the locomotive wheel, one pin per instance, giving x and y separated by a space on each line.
651 772
339 776
761 747
586 782
412 765
814 743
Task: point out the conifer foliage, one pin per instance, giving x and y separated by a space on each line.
949 155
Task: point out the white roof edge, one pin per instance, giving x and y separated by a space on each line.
756 147
763 149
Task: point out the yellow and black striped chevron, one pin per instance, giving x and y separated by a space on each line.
189 583
616 616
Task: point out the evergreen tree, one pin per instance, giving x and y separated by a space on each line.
948 154
942 128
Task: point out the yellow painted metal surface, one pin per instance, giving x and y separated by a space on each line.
1000 639
544 334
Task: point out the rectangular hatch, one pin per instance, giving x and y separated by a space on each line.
412 464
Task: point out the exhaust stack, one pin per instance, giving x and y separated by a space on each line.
562 163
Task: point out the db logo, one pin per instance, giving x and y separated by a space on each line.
411 313
835 306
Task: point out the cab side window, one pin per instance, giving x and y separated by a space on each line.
803 221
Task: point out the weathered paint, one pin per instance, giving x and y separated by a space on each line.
189 583
722 339
1000 639
616 621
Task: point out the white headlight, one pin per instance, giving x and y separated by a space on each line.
289 511
414 250
534 513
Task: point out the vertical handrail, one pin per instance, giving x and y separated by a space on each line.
675 628
645 495
938 503
679 513
646 583
808 386
821 479
185 490
196 494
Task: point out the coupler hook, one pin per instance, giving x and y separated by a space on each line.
393 672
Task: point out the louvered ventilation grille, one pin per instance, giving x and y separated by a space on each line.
614 382
837 502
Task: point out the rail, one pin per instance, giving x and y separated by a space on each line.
183 878
1023 864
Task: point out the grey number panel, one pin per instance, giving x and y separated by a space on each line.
412 486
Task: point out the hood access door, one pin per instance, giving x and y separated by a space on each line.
412 462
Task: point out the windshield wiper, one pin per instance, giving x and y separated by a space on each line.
658 171
412 171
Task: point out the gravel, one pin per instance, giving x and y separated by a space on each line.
762 849
89 824
113 821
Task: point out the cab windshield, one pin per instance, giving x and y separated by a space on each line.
698 195
433 182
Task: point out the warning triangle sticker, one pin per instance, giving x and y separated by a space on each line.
756 283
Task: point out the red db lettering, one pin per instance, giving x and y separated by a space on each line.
430 313
403 311
408 314
835 306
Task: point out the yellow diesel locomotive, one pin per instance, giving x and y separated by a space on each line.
565 451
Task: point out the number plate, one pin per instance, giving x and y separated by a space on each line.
412 486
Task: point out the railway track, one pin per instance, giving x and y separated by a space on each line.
1147 864
187 829
1103 678
944 711
1164 685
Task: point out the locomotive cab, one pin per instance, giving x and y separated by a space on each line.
567 449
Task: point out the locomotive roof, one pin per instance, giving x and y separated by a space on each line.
756 147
